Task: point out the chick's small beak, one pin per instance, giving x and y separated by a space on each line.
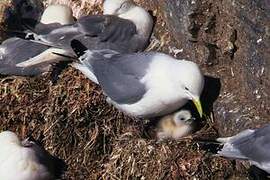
198 106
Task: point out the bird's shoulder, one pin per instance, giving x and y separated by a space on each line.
133 64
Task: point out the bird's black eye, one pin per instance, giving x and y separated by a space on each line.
186 89
182 119
124 5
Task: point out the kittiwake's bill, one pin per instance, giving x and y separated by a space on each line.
143 84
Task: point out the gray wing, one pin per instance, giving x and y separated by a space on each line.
15 50
109 32
41 28
256 146
107 27
59 37
120 75
95 32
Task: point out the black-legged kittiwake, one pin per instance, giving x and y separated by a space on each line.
15 50
176 125
143 84
25 160
124 27
251 144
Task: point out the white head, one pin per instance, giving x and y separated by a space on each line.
127 9
182 117
8 138
191 82
116 7
57 14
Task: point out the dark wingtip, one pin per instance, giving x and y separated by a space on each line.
78 47
60 167
211 146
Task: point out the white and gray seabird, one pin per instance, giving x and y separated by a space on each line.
143 84
15 50
25 160
124 27
252 145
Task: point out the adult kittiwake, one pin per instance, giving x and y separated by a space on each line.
146 84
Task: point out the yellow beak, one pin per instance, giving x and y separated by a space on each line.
198 106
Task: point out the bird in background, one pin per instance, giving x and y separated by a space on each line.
124 27
145 84
176 125
25 160
16 50
251 144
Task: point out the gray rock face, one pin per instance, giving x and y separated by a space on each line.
231 41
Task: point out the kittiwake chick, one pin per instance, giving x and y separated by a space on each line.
176 125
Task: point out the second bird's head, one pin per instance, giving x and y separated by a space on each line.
116 7
57 13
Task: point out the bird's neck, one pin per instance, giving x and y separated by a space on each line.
141 18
